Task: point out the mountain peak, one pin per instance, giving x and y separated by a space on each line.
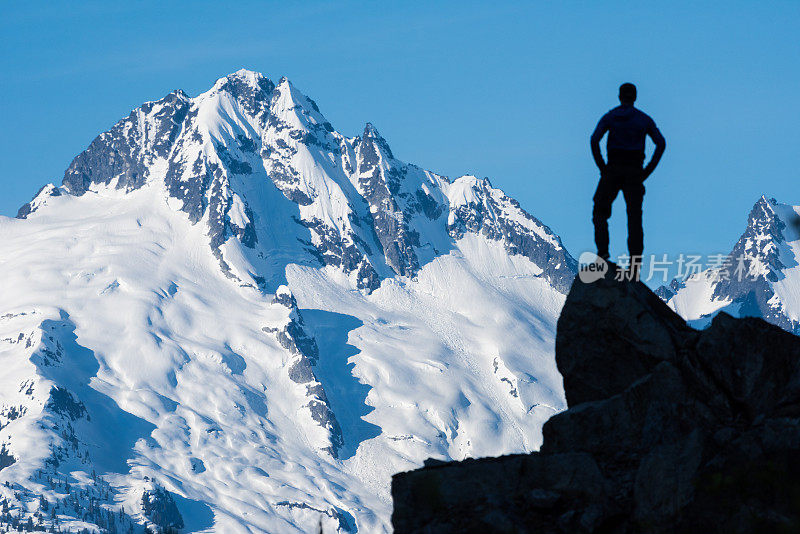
764 227
246 74
287 97
251 89
248 77
764 208
371 131
286 90
755 279
247 126
177 94
372 136
252 249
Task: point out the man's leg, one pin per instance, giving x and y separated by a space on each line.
603 198
634 196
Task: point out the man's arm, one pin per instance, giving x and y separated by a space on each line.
599 132
661 144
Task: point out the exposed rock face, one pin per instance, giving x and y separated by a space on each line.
159 507
611 334
670 429
305 352
127 151
348 202
755 280
380 179
6 459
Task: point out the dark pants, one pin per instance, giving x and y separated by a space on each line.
625 176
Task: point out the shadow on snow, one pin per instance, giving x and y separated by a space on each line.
346 393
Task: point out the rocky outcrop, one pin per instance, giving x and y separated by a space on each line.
160 509
305 354
380 179
127 151
6 458
669 429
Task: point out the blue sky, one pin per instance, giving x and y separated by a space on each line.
505 90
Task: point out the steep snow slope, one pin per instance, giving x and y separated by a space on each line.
233 318
760 277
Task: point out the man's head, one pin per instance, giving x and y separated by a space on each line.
627 93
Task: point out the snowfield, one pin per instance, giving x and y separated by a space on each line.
231 318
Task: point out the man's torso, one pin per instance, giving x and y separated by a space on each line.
627 128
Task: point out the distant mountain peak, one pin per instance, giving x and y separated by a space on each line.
207 149
372 138
251 76
757 276
371 132
228 301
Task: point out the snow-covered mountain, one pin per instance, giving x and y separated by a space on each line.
759 278
232 318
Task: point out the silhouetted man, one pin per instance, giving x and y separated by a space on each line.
627 128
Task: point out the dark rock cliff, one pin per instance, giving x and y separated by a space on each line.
160 509
669 429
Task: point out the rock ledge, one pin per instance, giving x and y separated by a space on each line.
669 429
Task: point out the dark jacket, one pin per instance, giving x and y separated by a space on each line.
627 128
